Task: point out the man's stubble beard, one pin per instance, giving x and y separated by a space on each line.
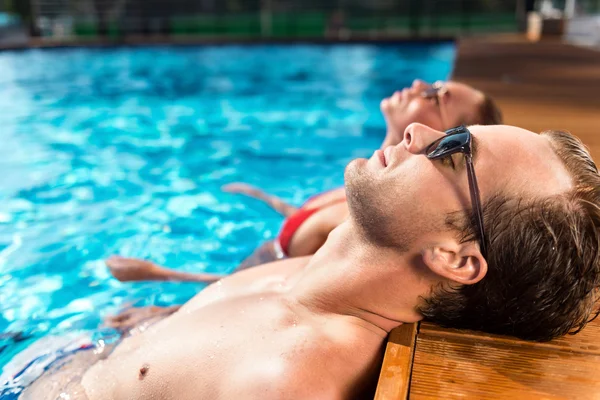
376 208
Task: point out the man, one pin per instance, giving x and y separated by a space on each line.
440 106
413 245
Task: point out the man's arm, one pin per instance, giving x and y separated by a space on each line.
130 319
274 202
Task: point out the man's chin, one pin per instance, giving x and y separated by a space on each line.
355 179
353 169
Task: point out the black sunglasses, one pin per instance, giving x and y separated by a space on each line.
459 140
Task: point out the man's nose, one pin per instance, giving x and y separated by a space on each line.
417 137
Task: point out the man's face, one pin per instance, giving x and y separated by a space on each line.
458 103
400 198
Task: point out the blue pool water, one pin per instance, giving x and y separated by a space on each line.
106 151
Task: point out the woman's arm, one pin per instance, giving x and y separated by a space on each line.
133 270
274 202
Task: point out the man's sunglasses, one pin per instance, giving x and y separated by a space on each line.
459 140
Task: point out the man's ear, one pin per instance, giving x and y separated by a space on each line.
462 263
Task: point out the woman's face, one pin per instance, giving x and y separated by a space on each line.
451 106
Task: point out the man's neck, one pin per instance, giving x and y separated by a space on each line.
355 279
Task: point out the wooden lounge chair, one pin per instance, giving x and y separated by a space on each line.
425 361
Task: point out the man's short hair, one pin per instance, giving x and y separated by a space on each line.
543 259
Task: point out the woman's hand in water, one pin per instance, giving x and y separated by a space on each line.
128 319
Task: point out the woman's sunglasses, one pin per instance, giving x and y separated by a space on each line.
434 92
459 140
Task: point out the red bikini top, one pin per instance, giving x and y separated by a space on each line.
294 221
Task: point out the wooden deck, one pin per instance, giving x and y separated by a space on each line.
430 362
546 85
539 86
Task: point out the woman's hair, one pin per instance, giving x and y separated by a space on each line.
543 259
488 112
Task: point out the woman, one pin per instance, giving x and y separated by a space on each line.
440 106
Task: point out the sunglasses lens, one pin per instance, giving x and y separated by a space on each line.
430 92
448 145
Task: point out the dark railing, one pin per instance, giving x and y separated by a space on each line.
276 19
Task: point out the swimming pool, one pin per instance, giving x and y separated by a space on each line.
124 150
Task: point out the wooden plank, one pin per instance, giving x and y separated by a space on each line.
586 341
394 379
471 365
